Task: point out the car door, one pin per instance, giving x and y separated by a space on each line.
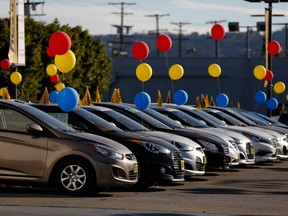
21 154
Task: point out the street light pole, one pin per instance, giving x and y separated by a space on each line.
268 32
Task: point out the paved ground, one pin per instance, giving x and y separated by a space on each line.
253 190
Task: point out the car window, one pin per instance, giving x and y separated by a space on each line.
12 120
48 119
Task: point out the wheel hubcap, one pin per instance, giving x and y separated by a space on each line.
73 177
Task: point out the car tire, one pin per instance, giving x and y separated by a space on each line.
75 177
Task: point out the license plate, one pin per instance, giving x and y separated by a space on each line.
135 168
182 165
204 160
252 151
276 152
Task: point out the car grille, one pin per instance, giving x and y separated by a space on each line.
199 165
132 175
274 142
250 150
177 165
226 149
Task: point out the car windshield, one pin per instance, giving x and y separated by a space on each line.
185 119
205 115
168 121
271 120
129 123
148 119
100 123
254 118
225 117
48 119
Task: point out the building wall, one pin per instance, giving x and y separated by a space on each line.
237 79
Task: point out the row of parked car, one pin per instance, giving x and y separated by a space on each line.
95 147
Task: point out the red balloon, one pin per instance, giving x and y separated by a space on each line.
273 48
217 32
50 52
164 43
269 75
54 79
5 64
60 43
140 50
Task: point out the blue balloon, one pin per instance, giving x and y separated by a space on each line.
222 100
142 100
180 97
260 97
53 96
272 104
67 99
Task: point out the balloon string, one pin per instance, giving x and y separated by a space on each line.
218 81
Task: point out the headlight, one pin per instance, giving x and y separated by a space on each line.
208 146
108 152
181 146
154 148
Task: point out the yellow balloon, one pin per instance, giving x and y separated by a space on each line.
66 62
59 86
279 87
51 69
16 78
144 72
214 70
287 97
176 72
260 72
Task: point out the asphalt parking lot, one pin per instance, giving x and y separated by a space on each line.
253 190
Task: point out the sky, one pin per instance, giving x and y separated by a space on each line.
99 16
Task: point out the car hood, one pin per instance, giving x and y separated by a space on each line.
171 137
233 134
251 130
87 137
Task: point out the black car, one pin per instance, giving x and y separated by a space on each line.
215 149
158 160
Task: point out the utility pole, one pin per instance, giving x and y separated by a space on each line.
32 5
157 16
121 27
180 24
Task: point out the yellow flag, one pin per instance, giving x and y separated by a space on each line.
113 97
87 100
211 103
6 94
45 99
198 103
282 109
118 96
168 97
159 99
238 105
98 97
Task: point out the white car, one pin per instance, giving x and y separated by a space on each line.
265 144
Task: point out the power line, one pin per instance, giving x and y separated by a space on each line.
157 16
180 25
120 28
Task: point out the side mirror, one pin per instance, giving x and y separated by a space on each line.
34 128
